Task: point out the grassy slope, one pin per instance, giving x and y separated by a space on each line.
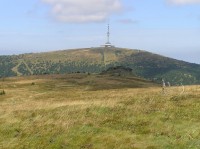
66 112
90 54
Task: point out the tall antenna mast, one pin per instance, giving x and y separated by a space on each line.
108 44
108 34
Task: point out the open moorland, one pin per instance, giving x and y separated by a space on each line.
82 111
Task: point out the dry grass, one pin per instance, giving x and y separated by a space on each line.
55 112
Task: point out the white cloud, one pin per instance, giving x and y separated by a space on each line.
83 10
128 21
184 2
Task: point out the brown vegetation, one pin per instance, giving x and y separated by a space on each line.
69 111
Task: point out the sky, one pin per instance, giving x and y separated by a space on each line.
167 27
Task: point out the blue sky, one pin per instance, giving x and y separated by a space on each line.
167 27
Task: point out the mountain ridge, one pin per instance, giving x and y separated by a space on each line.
95 60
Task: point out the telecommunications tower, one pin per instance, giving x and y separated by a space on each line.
108 44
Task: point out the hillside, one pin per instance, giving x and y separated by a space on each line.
70 111
95 60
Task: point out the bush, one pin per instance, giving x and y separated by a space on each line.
2 92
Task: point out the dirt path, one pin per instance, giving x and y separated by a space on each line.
15 69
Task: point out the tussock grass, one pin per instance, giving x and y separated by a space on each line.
58 113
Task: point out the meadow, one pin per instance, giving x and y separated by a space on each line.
91 112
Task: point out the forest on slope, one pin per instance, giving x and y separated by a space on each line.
95 60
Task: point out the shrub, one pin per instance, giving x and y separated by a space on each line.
2 92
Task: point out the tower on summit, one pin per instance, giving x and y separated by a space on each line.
108 44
